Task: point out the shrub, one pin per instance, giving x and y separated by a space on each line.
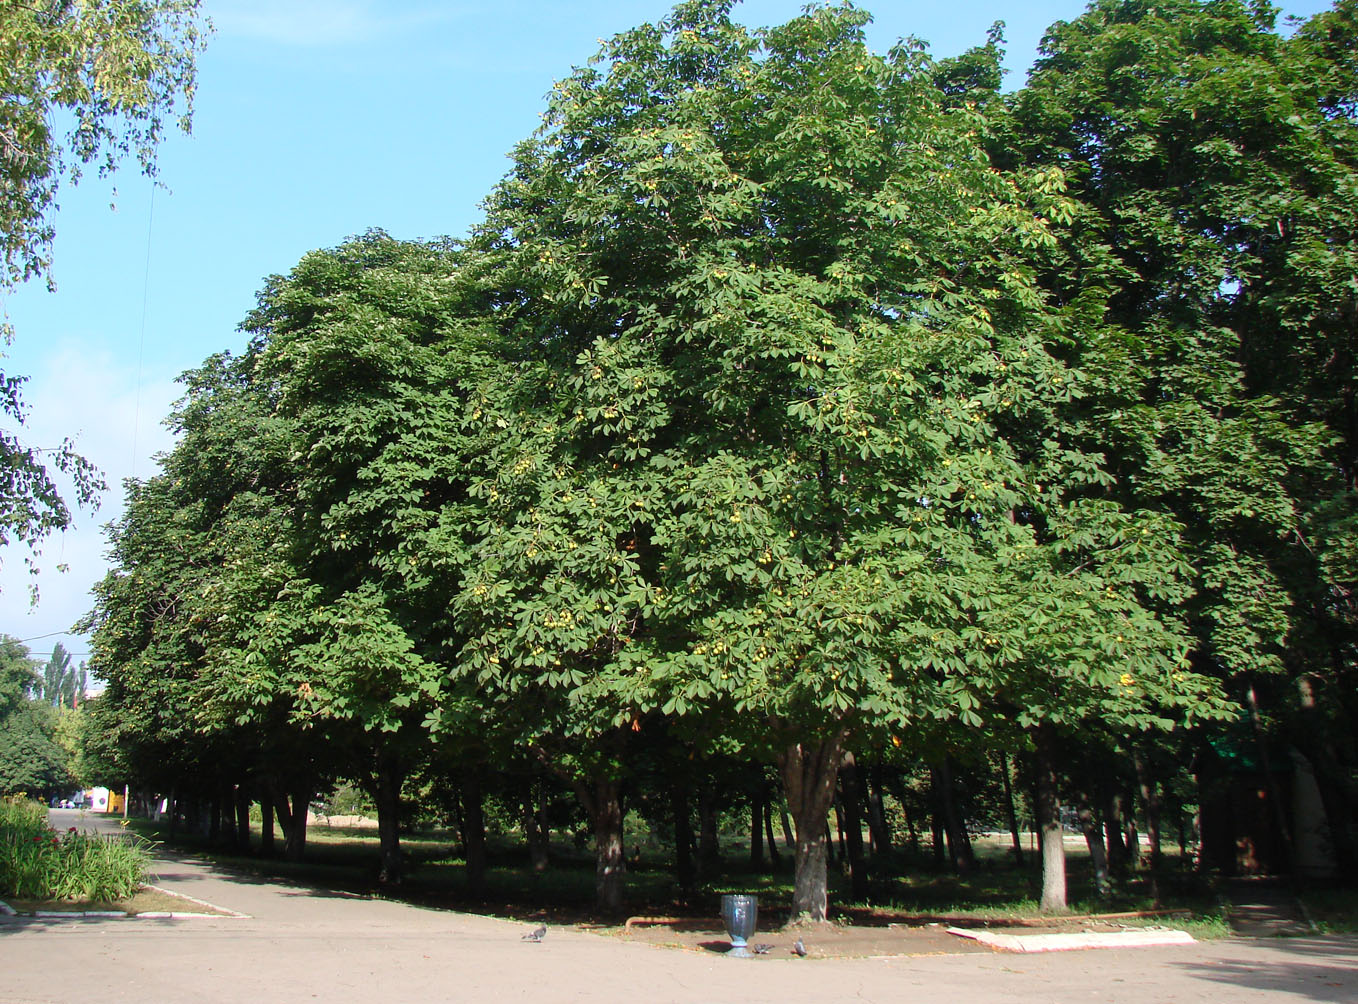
38 863
349 800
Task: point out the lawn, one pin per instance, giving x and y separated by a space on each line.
906 888
1333 909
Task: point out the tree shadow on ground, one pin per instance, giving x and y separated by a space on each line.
1323 969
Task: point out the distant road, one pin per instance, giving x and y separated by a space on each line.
91 822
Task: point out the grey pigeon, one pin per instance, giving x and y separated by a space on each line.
537 934
798 948
763 948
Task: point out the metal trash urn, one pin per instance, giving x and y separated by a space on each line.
740 914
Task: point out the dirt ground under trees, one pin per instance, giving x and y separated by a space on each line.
878 938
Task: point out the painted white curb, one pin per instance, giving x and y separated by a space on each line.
222 913
218 911
1073 942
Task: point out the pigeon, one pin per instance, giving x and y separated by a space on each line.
537 934
763 948
799 949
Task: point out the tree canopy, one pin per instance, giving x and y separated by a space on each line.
32 760
82 83
107 73
793 402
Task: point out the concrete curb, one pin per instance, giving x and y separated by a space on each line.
120 915
222 913
1074 942
218 910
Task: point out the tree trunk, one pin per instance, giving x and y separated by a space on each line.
544 825
1098 856
459 819
911 823
226 807
390 776
959 844
788 839
1275 798
610 867
1011 815
959 817
1150 798
937 841
281 810
1113 831
1336 805
535 829
242 819
1049 822
775 861
709 850
853 824
473 830
808 771
294 848
839 830
685 869
877 826
266 832
1130 838
214 819
756 831
1336 796
1037 824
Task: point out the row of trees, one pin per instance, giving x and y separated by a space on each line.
63 683
799 405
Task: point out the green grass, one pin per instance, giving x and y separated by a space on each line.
906 887
1333 909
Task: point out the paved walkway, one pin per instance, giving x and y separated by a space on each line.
303 944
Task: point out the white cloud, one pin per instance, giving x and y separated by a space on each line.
95 399
316 23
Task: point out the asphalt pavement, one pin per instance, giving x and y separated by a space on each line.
298 943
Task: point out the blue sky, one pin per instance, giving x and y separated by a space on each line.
315 120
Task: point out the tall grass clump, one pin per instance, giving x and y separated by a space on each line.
38 863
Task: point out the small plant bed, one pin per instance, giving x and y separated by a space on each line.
38 863
146 901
